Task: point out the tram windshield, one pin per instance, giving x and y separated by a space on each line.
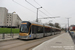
24 28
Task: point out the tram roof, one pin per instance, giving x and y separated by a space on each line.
40 24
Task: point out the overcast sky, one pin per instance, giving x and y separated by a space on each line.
51 8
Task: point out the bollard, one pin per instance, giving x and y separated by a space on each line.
3 36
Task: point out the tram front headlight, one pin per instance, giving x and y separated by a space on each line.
27 34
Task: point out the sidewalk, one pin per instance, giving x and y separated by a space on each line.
61 42
8 37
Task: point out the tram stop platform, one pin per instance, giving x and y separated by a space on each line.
61 42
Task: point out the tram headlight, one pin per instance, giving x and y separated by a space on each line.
27 34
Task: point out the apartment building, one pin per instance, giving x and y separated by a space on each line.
13 20
3 16
9 19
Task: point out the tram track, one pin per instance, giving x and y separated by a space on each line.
24 42
28 44
30 48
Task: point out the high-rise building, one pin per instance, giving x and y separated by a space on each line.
9 19
3 16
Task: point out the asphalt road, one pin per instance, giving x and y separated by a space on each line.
19 44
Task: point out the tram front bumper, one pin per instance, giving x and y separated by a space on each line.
23 37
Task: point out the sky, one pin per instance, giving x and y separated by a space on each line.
50 8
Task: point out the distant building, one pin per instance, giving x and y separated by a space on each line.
13 20
9 19
72 28
3 16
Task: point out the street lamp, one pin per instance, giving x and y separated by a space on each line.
68 23
36 8
37 13
11 23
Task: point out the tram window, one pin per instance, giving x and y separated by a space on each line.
33 29
37 29
47 30
40 29
24 28
50 30
53 30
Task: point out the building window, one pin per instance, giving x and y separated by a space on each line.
8 15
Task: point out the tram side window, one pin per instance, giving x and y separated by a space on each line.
50 30
47 30
39 29
33 29
57 30
53 30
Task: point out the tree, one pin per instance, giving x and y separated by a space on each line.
51 24
63 29
57 25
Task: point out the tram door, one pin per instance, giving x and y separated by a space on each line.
34 31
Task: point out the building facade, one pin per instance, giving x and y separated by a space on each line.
13 20
3 16
9 19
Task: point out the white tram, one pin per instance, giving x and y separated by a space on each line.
31 30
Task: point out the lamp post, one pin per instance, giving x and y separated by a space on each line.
68 23
37 14
11 23
34 7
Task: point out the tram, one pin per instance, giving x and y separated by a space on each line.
31 30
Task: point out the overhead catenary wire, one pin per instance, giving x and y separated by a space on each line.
22 6
30 9
30 4
43 12
36 8
48 17
42 6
